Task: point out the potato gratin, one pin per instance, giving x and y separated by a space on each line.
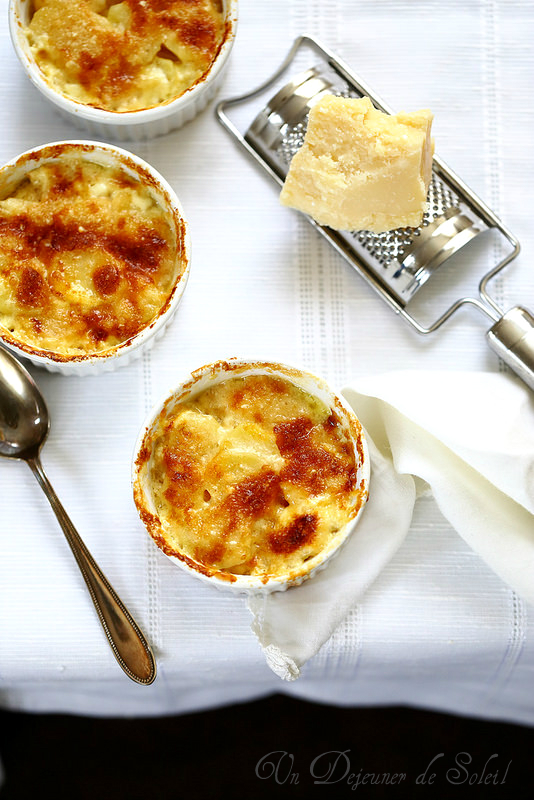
251 476
125 56
88 258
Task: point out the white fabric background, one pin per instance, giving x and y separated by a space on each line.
438 628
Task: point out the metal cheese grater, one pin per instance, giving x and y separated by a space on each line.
397 263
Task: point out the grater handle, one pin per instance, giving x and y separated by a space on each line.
512 338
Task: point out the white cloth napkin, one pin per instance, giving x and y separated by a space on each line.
468 439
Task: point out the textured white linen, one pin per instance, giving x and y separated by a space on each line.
470 438
438 627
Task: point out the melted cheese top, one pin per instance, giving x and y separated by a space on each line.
88 258
125 56
252 476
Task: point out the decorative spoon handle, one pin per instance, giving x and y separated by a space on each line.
127 642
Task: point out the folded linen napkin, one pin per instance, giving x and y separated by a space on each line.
468 438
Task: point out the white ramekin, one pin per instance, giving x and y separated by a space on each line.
107 155
210 375
127 125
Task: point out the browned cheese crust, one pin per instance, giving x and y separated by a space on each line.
125 56
252 476
88 258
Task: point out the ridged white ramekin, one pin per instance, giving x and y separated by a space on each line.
210 375
11 175
128 125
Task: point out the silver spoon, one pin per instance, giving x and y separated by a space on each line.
24 425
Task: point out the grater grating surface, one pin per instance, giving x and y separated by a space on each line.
399 262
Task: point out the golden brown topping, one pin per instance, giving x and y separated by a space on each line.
92 255
252 475
297 533
211 555
31 290
140 251
252 497
106 279
127 55
182 475
293 436
108 65
254 393
307 464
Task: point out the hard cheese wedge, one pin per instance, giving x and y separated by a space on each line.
361 169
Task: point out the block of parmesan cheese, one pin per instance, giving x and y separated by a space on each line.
361 169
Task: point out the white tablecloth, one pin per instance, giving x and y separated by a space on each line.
438 629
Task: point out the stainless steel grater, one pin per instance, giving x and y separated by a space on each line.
397 263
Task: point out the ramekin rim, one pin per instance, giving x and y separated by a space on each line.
39 358
249 583
122 118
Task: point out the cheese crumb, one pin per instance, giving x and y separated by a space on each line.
361 169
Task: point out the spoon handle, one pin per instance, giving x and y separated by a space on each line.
127 642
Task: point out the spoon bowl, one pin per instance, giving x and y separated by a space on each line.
24 420
24 426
